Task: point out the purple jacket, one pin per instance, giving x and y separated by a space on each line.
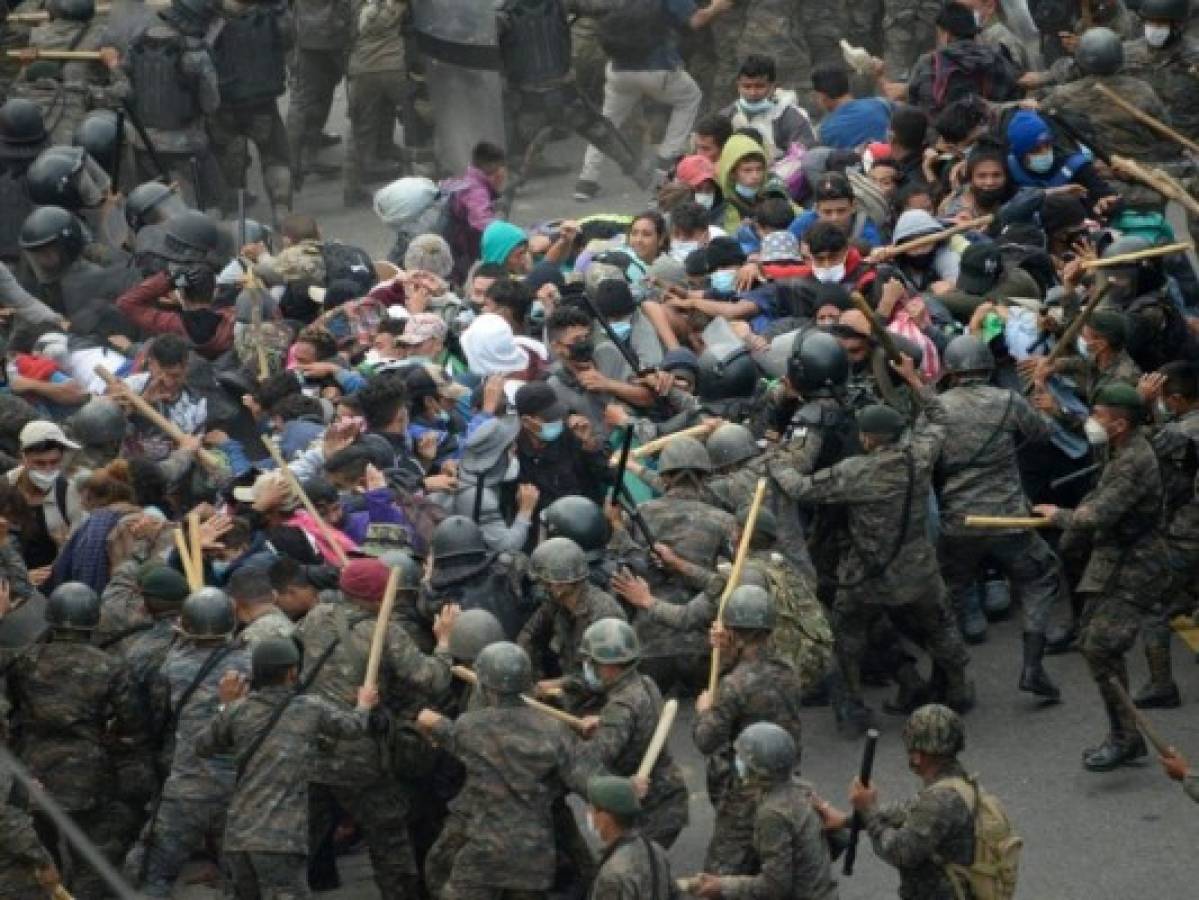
379 508
472 209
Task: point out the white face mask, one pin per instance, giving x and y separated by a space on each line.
680 250
831 275
705 200
1157 35
43 481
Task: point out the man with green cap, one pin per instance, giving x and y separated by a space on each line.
1126 572
633 866
1105 361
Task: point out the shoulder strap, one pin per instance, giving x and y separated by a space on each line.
653 867
209 664
985 445
114 639
61 486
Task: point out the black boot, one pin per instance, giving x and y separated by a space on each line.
1060 638
969 610
1032 675
1117 750
913 691
959 691
1161 692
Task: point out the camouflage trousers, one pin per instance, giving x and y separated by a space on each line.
101 825
268 876
376 99
1110 623
180 828
731 847
232 130
1025 560
381 812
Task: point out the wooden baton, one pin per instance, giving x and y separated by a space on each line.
273 450
926 240
185 560
1008 522
58 55
650 448
462 673
376 655
669 710
209 459
196 546
747 534
1144 118
1160 181
1126 258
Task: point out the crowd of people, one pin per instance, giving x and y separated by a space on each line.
302 549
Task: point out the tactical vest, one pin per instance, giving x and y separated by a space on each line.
160 95
14 200
536 47
250 58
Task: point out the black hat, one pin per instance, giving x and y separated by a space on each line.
724 252
981 266
419 382
538 399
1062 212
958 20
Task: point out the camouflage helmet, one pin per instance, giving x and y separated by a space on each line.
817 365
684 454
272 654
749 609
410 570
558 561
1165 10
504 668
578 518
730 444
1100 51
474 629
767 750
610 642
73 606
936 730
208 613
457 537
98 423
966 353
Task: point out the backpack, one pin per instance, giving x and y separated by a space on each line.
631 31
345 262
993 873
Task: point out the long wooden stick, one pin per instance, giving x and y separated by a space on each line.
196 545
1160 181
57 55
376 655
185 560
1008 522
747 534
1141 116
669 710
40 15
926 240
462 673
1069 337
304 499
170 429
1159 744
1126 258
655 446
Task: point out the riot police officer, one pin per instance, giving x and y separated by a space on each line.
22 137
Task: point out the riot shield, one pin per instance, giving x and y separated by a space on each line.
459 41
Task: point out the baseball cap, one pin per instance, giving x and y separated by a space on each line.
538 399
423 327
981 266
695 170
41 431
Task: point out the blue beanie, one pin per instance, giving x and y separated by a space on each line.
499 240
1026 132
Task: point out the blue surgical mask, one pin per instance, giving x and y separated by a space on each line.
739 765
591 677
622 329
745 191
551 431
755 107
443 417
1040 163
724 281
680 250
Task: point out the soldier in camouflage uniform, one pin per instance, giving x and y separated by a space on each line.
71 708
618 736
1126 573
1168 64
27 870
270 732
518 763
356 773
633 865
978 474
756 686
554 632
1106 362
190 811
254 600
737 465
790 849
891 567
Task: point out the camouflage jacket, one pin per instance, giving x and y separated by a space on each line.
408 681
634 868
121 605
518 762
554 633
1176 444
193 777
1117 132
790 845
977 472
73 709
269 811
1089 378
21 851
1170 71
272 624
917 836
736 488
1121 517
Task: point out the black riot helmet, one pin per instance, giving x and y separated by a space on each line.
68 177
578 518
100 134
208 613
192 235
72 10
51 227
73 606
731 376
189 17
818 365
458 539
150 203
22 129
1165 10
1100 52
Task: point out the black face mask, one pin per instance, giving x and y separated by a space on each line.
581 351
990 198
921 262
201 324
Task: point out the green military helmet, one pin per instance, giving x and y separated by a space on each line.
610 642
936 730
272 654
558 561
384 537
684 454
754 575
578 518
162 588
967 354
730 444
410 570
208 613
1100 51
613 794
767 750
474 630
73 606
504 668
749 609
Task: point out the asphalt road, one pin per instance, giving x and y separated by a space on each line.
1087 836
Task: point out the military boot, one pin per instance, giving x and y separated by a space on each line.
1032 674
913 691
959 691
971 621
853 717
1161 692
1060 638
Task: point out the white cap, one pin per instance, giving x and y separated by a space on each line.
41 431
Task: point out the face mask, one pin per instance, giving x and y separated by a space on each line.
43 481
680 250
551 431
831 275
1157 35
755 107
739 765
1096 434
537 312
920 261
443 417
201 324
745 192
724 282
591 677
1084 349
1040 163
622 329
990 197
707 201
220 567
